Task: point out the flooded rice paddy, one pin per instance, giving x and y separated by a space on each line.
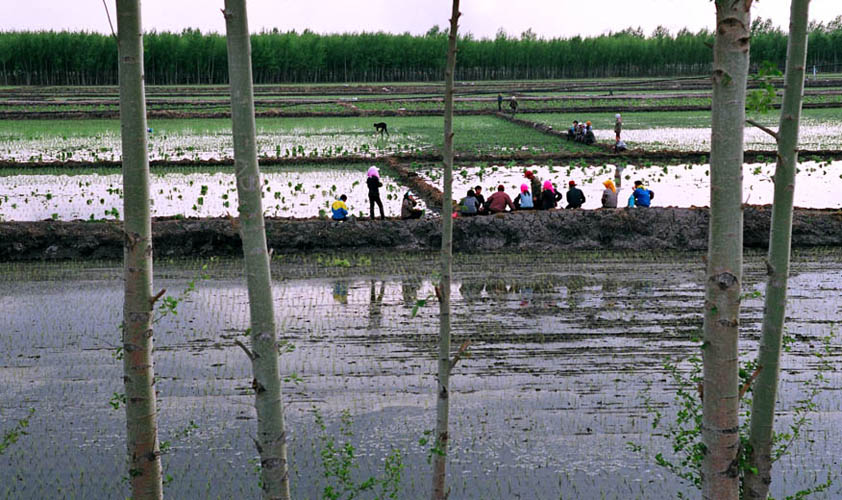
565 350
811 137
207 145
287 192
210 139
302 192
816 184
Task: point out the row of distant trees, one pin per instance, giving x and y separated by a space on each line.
192 57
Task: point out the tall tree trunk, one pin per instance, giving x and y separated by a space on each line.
445 363
138 369
720 421
765 390
271 435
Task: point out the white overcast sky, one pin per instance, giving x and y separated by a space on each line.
547 18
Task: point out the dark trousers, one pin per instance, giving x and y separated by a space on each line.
371 202
415 214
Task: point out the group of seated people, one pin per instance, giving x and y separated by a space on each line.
474 203
547 198
581 132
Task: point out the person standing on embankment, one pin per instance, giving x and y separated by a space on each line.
374 185
618 126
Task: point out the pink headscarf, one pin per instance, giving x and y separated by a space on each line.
372 172
524 188
549 186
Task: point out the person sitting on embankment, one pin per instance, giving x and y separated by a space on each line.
575 196
498 201
609 196
641 196
339 208
469 206
524 201
408 210
549 196
535 184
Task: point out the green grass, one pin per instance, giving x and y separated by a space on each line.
472 133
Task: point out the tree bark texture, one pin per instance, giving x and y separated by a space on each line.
765 391
138 369
271 435
720 422
439 491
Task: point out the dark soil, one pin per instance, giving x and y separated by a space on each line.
639 229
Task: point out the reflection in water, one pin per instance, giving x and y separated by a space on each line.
496 288
340 292
471 289
409 291
375 305
575 287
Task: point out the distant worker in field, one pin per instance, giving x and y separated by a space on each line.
580 133
642 196
523 201
575 196
609 196
498 201
513 104
535 183
499 102
618 125
590 138
374 185
339 208
571 132
620 146
408 207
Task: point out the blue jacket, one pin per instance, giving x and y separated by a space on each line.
339 209
642 197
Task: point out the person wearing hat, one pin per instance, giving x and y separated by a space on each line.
589 136
498 201
575 196
535 183
408 210
374 184
549 197
618 126
609 196
524 201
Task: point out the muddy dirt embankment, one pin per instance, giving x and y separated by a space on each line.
622 229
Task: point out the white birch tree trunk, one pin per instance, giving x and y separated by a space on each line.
720 421
138 369
271 435
765 390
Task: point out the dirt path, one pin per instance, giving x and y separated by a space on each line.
638 229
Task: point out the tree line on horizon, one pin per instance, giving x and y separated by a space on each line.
192 57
